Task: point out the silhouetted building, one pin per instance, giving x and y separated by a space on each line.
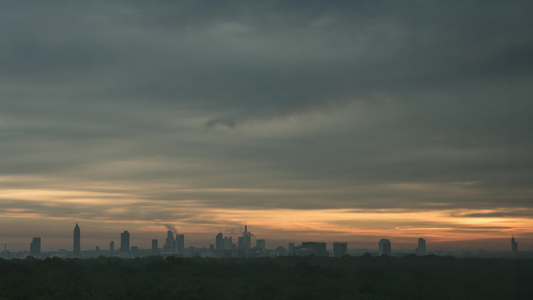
247 238
35 247
228 243
385 248
280 251
170 243
219 242
291 249
313 248
260 244
180 244
125 242
514 246
155 248
76 249
421 250
240 242
340 249
111 246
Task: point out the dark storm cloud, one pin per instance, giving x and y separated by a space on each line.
334 100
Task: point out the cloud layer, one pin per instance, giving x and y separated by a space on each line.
155 113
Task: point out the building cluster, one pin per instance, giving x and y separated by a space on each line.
222 248
172 245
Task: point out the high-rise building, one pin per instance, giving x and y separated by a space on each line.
421 250
180 244
247 238
219 242
111 246
260 244
313 248
514 246
155 248
228 242
125 242
385 247
170 243
35 247
76 249
340 249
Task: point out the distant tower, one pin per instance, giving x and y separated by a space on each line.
247 238
340 249
35 247
76 249
180 244
385 247
170 243
125 242
421 250
219 242
155 248
111 246
514 246
260 244
228 242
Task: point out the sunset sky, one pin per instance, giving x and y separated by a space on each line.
307 120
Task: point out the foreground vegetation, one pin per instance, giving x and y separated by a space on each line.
362 277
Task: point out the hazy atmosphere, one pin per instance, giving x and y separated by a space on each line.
307 120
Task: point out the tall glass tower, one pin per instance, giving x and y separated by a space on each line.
77 236
125 242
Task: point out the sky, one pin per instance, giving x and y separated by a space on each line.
307 120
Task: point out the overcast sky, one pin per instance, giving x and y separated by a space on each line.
307 120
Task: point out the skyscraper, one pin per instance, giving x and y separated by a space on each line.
155 248
180 244
228 242
170 243
219 242
385 247
35 247
77 241
125 242
421 250
514 246
247 238
111 246
340 249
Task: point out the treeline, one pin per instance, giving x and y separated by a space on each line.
362 277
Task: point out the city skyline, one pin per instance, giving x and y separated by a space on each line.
341 120
220 242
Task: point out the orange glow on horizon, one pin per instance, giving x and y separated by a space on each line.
113 205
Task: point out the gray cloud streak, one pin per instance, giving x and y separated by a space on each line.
347 96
